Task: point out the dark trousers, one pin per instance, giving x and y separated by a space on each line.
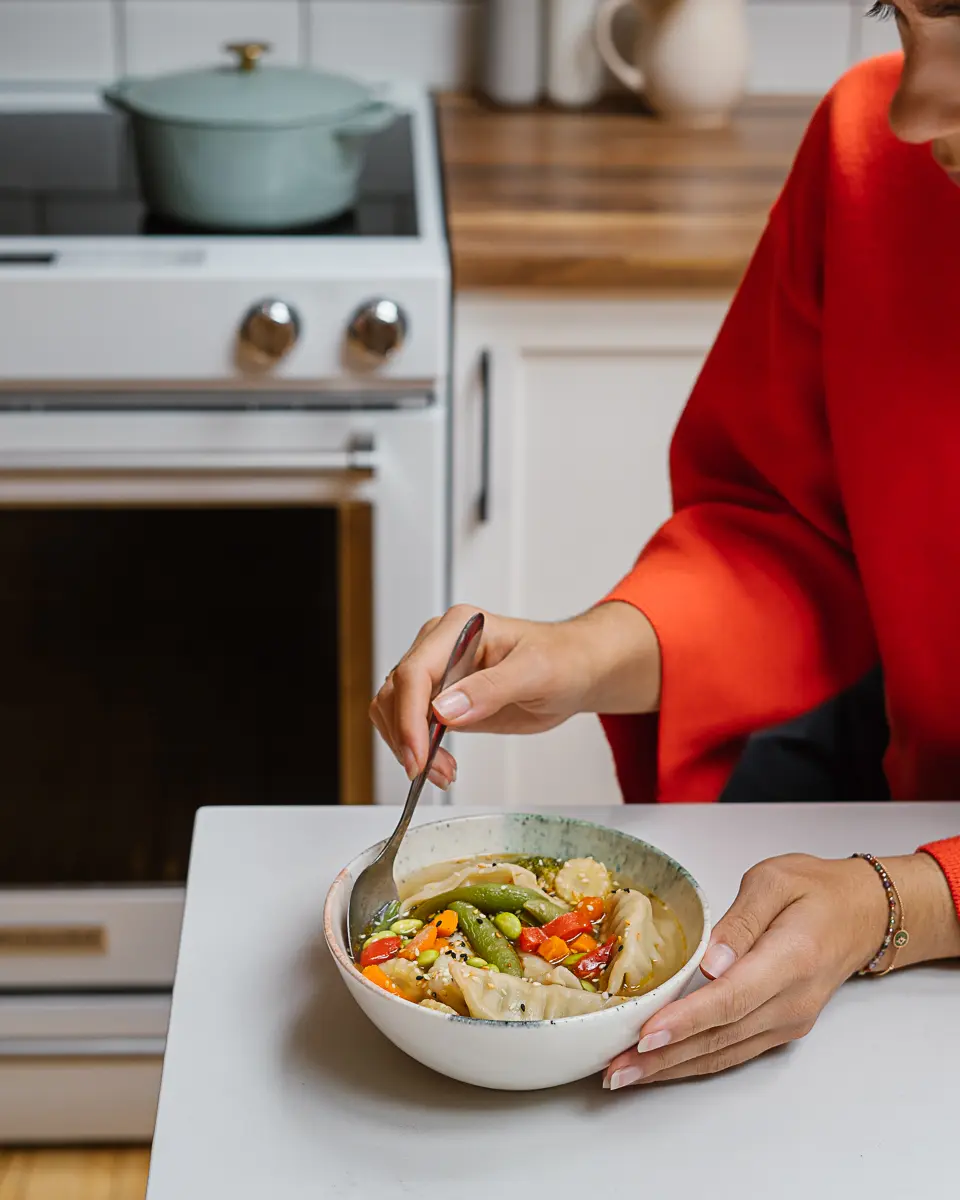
834 753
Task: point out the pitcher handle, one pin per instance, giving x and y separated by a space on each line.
628 74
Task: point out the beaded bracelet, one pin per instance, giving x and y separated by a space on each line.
897 936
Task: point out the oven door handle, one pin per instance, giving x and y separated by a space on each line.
358 462
102 1047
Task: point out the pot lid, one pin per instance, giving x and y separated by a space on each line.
245 94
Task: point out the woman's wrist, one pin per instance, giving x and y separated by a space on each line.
622 659
929 916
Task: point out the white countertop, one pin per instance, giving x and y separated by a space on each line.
276 1087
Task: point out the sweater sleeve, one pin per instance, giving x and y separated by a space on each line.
751 586
947 856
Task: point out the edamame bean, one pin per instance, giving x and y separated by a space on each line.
509 925
587 985
376 937
479 963
572 959
428 958
406 926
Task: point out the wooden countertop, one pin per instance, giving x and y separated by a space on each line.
610 200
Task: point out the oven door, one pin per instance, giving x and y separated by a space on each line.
194 610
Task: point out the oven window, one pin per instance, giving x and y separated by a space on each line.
153 661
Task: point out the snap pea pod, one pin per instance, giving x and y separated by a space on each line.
387 917
486 939
491 898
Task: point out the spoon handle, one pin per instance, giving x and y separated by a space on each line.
459 666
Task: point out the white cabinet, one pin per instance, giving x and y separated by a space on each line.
569 442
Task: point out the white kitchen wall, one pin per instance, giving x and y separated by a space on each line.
799 45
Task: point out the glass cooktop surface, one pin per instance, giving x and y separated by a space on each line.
73 174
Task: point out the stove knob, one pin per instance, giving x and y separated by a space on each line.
377 330
270 330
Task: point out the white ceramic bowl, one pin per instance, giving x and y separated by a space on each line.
521 1055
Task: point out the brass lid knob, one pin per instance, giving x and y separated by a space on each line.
248 53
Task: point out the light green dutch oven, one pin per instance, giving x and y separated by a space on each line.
250 147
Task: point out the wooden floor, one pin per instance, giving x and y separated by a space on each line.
100 1174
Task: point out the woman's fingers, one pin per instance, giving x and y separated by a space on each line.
416 678
659 1056
444 770
632 1070
765 892
753 980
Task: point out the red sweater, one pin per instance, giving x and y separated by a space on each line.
815 477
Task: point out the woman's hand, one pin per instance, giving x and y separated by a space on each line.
529 676
798 929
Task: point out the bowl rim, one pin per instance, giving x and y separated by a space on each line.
347 964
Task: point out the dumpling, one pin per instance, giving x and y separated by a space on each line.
418 984
408 977
496 996
539 970
630 920
580 877
469 874
442 986
438 1007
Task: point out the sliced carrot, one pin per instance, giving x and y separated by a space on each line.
592 907
441 944
554 950
424 940
446 922
584 944
378 976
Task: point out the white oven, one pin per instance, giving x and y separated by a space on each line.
223 517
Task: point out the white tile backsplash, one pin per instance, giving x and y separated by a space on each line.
873 37
798 45
429 40
68 40
167 35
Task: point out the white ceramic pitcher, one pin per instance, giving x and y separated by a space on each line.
690 57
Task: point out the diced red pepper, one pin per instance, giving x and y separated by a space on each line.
530 940
596 961
568 925
379 951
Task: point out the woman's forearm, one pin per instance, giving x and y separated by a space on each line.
622 659
929 914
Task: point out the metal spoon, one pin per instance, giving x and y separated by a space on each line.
375 887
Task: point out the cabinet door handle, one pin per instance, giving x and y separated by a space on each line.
483 497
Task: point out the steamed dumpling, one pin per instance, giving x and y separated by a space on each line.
630 920
467 874
438 1007
442 986
539 970
580 877
496 996
408 977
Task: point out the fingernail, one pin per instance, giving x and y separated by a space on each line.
718 960
438 781
452 705
606 1082
654 1041
625 1077
410 764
